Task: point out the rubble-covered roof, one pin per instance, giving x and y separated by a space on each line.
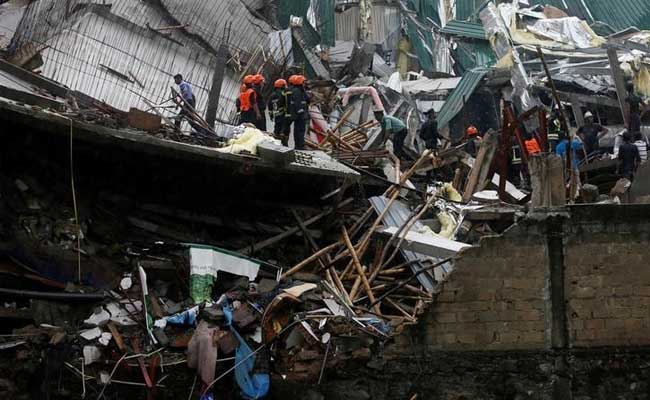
619 14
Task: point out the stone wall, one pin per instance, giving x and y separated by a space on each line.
607 277
574 277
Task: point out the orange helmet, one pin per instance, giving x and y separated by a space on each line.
258 79
249 79
297 80
280 83
471 131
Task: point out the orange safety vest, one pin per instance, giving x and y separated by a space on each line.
532 147
247 99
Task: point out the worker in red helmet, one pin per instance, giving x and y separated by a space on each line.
258 86
249 111
297 113
277 110
473 140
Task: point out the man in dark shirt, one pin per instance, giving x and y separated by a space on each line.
429 130
628 157
636 103
591 133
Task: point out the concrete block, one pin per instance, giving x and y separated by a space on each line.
614 324
467 316
446 317
594 324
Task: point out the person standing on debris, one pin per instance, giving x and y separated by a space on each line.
636 104
249 111
555 130
562 148
297 112
473 141
532 145
258 86
186 95
642 145
591 134
278 109
628 157
394 129
429 131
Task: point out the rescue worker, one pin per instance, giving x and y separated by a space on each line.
473 140
258 86
555 130
591 133
186 95
249 111
628 157
297 112
429 130
636 105
394 129
515 162
532 145
562 148
278 109
642 145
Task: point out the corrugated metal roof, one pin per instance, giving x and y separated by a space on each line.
384 30
619 14
464 29
459 96
468 9
472 55
79 55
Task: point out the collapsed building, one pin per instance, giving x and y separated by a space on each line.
143 260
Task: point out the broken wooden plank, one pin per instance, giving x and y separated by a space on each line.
481 168
619 82
359 268
435 246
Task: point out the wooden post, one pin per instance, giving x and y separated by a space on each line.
576 106
217 81
481 168
621 92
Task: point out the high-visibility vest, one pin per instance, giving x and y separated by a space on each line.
532 147
245 101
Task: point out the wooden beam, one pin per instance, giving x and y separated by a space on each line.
478 174
217 82
619 81
359 268
37 80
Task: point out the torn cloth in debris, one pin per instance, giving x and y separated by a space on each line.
205 262
202 353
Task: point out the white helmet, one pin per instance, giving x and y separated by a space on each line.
588 114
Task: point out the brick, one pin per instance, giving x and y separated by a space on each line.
478 305
643 291
447 295
584 292
466 338
507 337
594 324
488 316
445 317
612 324
634 326
467 316
532 337
532 315
447 338
486 295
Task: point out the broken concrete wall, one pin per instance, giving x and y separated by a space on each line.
576 277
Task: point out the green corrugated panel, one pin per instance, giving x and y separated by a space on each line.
619 14
463 91
326 21
464 29
468 9
311 36
472 55
287 8
427 9
420 44
299 58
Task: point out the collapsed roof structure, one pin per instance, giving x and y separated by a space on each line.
215 241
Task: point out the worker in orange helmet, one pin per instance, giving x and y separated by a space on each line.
277 110
297 113
249 111
473 140
258 86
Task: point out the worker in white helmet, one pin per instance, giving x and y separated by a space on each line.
590 133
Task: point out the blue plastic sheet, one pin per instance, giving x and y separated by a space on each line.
253 386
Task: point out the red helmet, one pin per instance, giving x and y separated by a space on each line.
258 79
280 83
471 131
249 79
